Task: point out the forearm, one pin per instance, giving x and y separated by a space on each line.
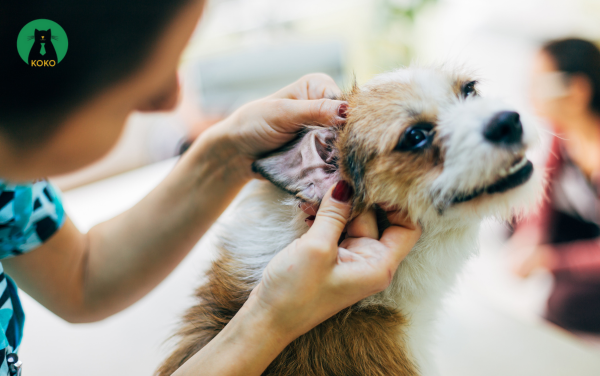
133 252
581 259
246 346
86 277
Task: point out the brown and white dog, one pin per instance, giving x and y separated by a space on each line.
419 139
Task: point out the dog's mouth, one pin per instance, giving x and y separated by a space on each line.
517 174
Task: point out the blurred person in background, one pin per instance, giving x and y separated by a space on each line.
564 237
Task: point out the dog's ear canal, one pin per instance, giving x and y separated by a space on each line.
307 167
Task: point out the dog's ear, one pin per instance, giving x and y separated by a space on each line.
307 167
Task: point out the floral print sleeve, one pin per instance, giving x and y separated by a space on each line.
29 215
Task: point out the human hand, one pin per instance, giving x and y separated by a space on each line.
269 123
314 278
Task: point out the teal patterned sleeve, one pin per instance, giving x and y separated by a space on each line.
29 215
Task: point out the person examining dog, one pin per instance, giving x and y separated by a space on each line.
57 120
563 237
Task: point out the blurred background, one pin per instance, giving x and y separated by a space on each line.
497 320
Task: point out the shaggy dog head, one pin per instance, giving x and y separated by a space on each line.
420 139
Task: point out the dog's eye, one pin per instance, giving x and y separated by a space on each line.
469 89
416 137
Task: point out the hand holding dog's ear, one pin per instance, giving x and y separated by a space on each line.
313 278
311 86
269 123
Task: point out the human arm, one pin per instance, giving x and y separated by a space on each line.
580 259
306 283
530 251
87 277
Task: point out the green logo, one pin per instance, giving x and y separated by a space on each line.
42 43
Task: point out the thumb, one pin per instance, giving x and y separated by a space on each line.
333 214
289 115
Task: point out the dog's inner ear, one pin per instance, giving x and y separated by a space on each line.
307 167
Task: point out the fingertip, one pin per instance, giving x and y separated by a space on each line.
320 112
364 226
337 196
330 89
400 240
342 110
333 92
341 114
342 192
401 218
331 218
323 85
332 112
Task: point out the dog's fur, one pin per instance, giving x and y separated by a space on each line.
387 333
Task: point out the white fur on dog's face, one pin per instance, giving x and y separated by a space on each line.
459 163
472 163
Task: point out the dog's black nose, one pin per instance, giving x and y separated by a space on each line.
504 128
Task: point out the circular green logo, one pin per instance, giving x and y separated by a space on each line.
42 43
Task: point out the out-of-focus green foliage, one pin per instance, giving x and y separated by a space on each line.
398 10
393 31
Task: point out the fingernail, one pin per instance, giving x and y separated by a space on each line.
342 191
342 110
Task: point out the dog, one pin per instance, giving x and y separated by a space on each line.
420 139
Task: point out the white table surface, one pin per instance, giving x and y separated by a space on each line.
488 326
